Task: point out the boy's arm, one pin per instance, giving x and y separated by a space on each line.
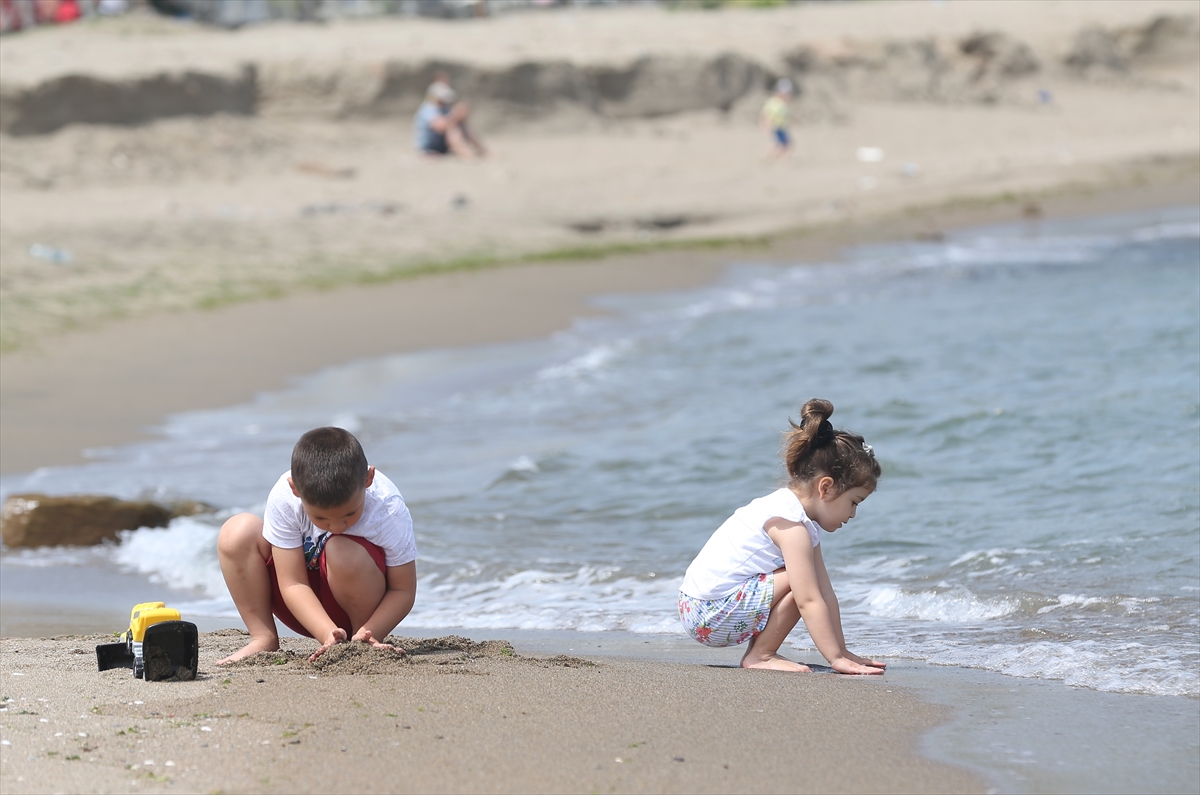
299 597
834 609
800 560
397 601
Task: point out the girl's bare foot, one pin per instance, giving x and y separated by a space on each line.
770 660
253 647
773 662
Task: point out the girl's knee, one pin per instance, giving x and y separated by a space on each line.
782 586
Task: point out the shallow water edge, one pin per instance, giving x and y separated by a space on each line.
1021 735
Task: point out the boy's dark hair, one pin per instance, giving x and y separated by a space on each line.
328 467
814 449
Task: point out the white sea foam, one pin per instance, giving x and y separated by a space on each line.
955 604
45 557
1167 231
523 464
880 565
761 293
985 251
992 558
588 363
1126 668
1070 600
588 599
182 555
991 252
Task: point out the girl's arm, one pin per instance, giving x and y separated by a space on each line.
396 603
828 595
800 561
299 597
834 609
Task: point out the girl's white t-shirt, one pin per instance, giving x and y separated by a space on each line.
385 521
741 548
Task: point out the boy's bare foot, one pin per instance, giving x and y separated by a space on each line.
253 647
774 662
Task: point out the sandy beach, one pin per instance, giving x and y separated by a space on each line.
451 716
216 257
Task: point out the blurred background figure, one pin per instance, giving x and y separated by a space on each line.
20 14
774 117
440 124
17 15
59 11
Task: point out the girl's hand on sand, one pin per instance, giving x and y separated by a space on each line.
865 661
844 665
337 635
364 636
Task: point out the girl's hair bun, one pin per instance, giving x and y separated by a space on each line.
816 409
812 448
814 419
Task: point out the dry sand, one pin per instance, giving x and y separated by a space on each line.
315 208
319 188
451 716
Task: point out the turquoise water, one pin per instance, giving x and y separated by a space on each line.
1033 394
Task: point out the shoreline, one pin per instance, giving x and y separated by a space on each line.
114 384
643 700
466 717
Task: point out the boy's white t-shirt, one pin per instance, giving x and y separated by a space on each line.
385 521
741 548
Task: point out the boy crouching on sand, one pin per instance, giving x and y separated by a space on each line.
333 557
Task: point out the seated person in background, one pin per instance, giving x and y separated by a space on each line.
334 557
440 126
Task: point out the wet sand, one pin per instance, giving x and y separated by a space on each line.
452 716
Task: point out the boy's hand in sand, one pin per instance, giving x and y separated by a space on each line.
844 665
335 636
364 636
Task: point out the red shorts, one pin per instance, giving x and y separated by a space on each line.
318 579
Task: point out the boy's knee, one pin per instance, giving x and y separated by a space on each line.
344 555
239 533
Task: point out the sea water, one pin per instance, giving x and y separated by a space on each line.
1032 393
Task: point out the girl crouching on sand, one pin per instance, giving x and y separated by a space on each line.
762 570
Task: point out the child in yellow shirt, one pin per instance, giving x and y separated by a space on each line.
774 116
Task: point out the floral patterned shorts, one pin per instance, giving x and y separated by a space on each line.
733 619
